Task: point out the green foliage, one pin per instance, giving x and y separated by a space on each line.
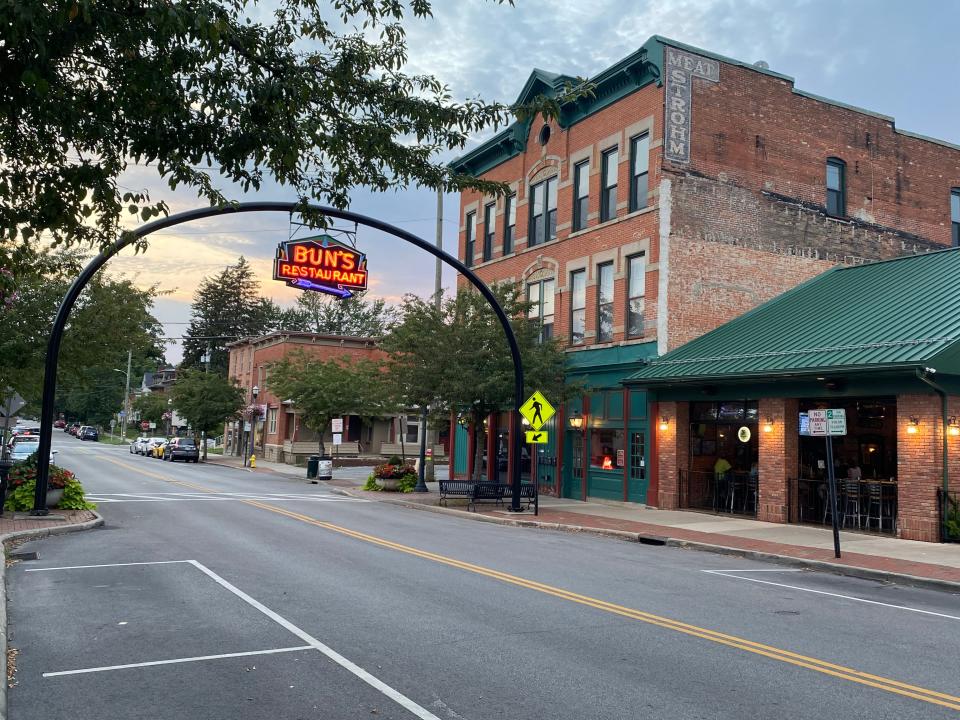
371 485
151 407
455 357
23 484
952 523
405 476
213 92
206 400
394 460
226 307
326 389
353 316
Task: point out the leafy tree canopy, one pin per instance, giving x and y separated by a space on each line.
455 357
354 316
206 400
322 390
151 407
211 92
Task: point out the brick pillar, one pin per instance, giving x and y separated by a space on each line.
673 449
919 467
778 457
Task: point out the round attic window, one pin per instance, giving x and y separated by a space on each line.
544 137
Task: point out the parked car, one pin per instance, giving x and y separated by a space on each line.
146 445
181 449
89 433
75 429
135 444
23 447
59 424
157 447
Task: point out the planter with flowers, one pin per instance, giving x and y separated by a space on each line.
393 478
63 488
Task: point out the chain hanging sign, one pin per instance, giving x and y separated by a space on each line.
322 264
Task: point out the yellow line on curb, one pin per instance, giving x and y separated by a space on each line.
821 666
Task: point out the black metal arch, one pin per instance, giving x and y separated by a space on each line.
56 332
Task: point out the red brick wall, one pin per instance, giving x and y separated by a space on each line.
673 445
919 467
778 457
753 130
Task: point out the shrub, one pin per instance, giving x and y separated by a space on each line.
394 460
23 485
371 484
404 474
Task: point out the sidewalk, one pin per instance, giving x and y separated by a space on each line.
862 554
354 475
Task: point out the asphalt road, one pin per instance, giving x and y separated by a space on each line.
218 593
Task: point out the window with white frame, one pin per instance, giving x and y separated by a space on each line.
636 287
540 296
578 306
605 302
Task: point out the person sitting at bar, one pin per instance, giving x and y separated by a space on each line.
853 471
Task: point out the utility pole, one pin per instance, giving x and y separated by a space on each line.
126 398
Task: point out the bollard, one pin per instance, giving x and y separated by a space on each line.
253 461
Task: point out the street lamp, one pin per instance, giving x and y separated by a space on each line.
254 417
421 485
126 396
169 415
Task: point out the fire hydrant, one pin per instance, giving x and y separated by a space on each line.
253 461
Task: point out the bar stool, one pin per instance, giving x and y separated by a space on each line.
875 502
851 501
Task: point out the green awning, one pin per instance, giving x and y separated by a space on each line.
895 315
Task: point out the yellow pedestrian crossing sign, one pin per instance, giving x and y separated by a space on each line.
537 410
537 437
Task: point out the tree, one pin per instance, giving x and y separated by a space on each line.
209 91
226 307
151 407
322 390
206 400
455 358
354 316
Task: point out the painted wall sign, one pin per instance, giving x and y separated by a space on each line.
322 264
682 67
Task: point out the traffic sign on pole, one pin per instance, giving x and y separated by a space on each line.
537 410
537 437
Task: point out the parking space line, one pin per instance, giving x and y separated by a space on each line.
343 662
105 565
725 573
176 661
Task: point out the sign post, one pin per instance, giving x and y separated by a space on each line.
829 423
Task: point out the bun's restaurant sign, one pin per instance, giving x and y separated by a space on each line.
323 264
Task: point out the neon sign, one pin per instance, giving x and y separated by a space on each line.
322 264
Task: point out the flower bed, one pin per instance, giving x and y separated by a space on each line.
22 485
393 477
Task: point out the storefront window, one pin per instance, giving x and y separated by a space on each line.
606 449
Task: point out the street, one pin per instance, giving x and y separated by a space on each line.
212 592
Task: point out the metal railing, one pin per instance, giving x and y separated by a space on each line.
948 506
731 492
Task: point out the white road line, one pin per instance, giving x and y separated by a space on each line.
176 661
723 573
84 567
343 662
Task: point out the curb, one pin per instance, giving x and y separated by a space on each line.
642 538
36 533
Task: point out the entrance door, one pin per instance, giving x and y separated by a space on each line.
637 485
573 466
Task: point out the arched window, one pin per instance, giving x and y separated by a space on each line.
836 187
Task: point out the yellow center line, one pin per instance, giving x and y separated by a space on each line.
774 653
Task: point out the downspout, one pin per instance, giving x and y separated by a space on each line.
923 376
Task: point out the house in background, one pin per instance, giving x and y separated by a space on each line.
280 436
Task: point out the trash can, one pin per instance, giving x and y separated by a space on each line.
325 468
313 464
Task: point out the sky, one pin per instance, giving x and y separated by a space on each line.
889 57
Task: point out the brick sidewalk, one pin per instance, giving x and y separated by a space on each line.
15 522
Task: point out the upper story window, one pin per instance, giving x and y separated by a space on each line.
605 302
543 212
608 189
581 194
836 187
955 215
471 239
578 306
489 229
636 287
510 223
540 296
639 171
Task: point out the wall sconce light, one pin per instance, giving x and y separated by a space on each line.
768 425
952 427
524 422
576 420
664 423
914 426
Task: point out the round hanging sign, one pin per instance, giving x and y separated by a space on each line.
744 434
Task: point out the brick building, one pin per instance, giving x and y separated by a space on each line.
279 435
687 190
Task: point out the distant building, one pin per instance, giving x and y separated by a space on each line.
279 435
688 189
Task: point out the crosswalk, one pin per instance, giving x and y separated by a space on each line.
188 496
